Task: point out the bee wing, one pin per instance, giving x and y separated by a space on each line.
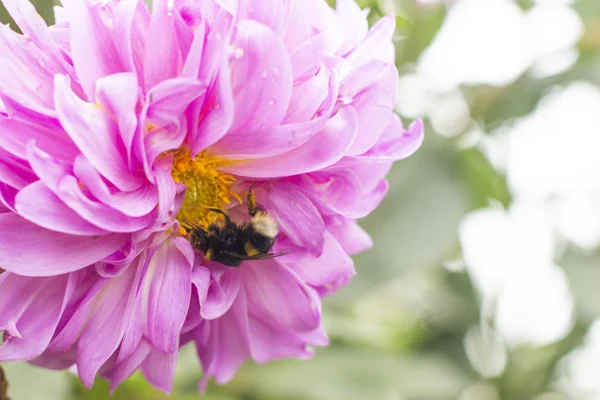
257 256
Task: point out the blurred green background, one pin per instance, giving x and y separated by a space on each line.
398 330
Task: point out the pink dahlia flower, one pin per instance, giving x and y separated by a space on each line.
120 128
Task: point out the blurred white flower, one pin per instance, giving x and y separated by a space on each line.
413 96
553 26
509 256
486 351
552 158
555 149
578 371
448 112
554 63
495 41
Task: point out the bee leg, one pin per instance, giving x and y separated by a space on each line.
223 213
251 201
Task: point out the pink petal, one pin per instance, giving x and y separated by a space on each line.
350 236
93 51
183 33
308 17
192 320
217 42
355 24
27 249
193 60
183 245
169 99
352 187
124 369
370 171
308 97
136 324
39 205
222 344
119 95
166 104
372 89
396 143
368 201
215 115
221 294
272 140
97 213
77 310
322 150
7 197
307 57
30 310
295 214
159 369
276 294
95 134
267 343
50 170
261 78
281 325
271 13
334 189
166 192
201 278
21 106
133 204
169 289
16 133
162 55
377 45
107 322
56 361
14 171
34 28
328 272
26 72
131 22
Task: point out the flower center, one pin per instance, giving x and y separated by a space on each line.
206 187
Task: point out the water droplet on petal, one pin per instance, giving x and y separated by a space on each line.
272 102
218 36
264 75
238 53
344 100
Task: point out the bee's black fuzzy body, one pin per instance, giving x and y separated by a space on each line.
229 243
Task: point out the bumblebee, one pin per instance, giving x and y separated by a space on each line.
229 243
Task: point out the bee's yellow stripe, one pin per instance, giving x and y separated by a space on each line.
250 250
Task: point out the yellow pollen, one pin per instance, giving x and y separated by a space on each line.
206 187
